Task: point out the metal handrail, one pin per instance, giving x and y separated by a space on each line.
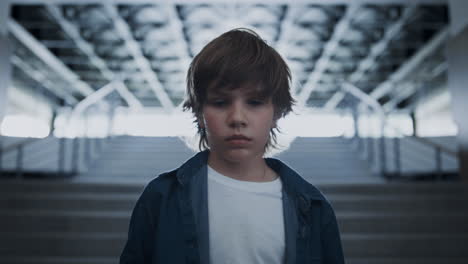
97 97
374 104
75 158
93 98
435 145
18 145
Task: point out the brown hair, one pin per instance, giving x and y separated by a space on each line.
235 58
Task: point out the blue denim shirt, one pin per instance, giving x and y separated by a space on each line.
169 223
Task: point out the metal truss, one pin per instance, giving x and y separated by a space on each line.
50 59
322 63
370 60
42 79
320 2
287 27
143 64
87 49
176 26
408 89
410 65
150 45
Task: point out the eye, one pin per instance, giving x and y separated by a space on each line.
218 102
255 102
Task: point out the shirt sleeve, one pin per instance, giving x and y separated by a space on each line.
141 232
331 241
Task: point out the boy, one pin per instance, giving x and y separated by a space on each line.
228 204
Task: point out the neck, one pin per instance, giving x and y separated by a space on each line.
255 170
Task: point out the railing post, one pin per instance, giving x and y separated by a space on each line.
438 157
370 149
87 151
397 156
383 161
1 155
75 155
19 162
99 145
61 158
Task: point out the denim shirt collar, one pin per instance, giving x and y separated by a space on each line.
297 200
291 180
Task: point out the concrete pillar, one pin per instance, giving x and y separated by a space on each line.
457 57
5 53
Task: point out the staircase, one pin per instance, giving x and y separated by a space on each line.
60 221
402 223
50 156
85 219
128 158
420 159
70 222
327 160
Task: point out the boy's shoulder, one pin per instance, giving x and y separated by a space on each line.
162 180
294 181
159 186
304 190
166 180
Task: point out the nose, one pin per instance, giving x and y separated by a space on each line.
237 117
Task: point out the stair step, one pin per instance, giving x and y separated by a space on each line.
72 244
421 260
117 221
68 201
403 223
405 246
355 245
69 185
58 260
58 222
402 203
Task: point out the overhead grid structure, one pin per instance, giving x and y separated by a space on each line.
388 49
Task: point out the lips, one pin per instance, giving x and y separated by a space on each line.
238 138
238 141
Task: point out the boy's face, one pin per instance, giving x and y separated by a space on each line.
237 123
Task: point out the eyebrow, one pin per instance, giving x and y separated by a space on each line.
227 93
217 93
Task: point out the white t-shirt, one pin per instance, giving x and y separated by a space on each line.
245 220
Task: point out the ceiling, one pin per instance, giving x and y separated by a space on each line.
390 50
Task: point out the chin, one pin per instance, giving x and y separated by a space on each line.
239 154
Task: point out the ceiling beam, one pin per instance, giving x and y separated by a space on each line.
411 64
87 49
142 62
408 90
43 80
177 28
287 27
322 63
319 2
47 57
405 90
371 59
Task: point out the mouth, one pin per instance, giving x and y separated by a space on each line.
238 140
